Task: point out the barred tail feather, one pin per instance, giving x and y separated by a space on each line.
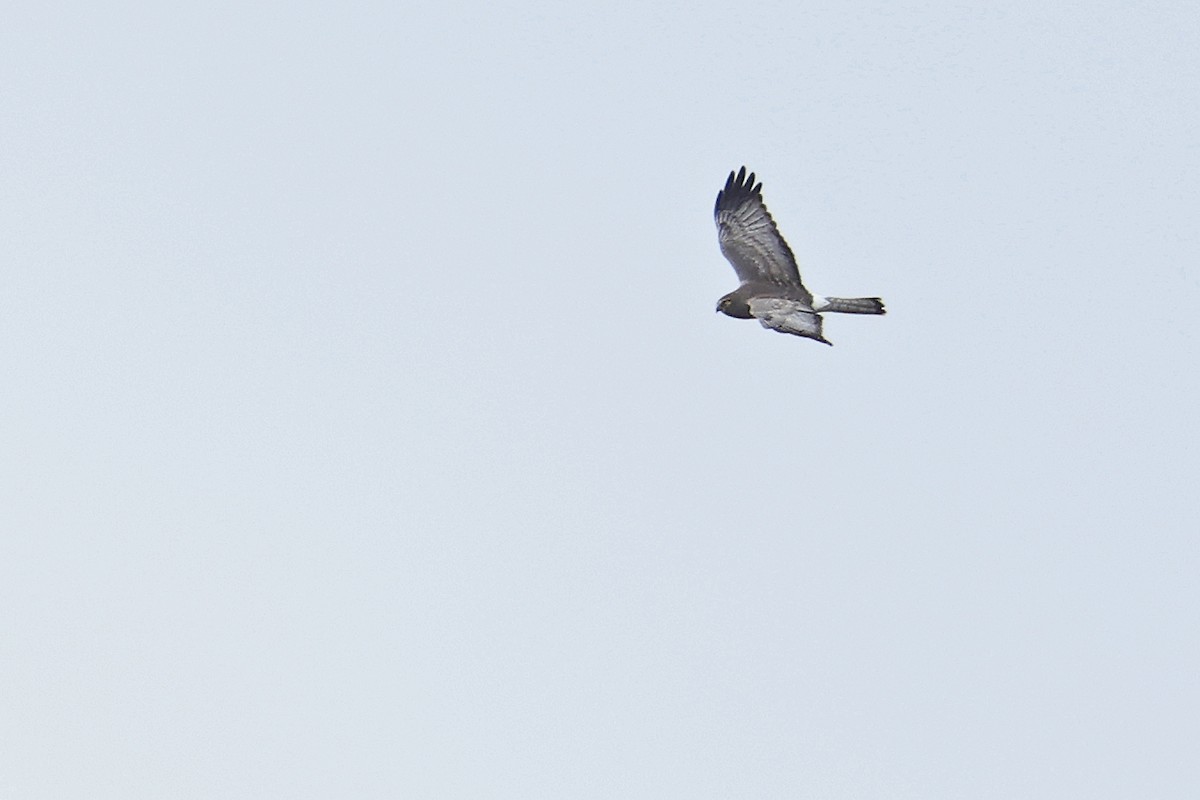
855 305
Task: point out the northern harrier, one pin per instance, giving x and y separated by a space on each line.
771 291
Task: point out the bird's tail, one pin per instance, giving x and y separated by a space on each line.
854 305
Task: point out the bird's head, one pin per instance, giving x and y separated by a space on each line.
733 306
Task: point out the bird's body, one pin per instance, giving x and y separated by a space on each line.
771 290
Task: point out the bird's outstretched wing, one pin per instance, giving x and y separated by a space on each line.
787 316
750 239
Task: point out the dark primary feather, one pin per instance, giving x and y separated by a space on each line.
749 238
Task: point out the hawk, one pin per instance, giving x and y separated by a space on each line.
771 291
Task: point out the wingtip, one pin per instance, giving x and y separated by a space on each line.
739 182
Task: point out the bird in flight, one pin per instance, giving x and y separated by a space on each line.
771 291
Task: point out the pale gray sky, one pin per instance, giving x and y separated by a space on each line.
368 431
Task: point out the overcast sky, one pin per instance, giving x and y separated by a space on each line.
367 430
